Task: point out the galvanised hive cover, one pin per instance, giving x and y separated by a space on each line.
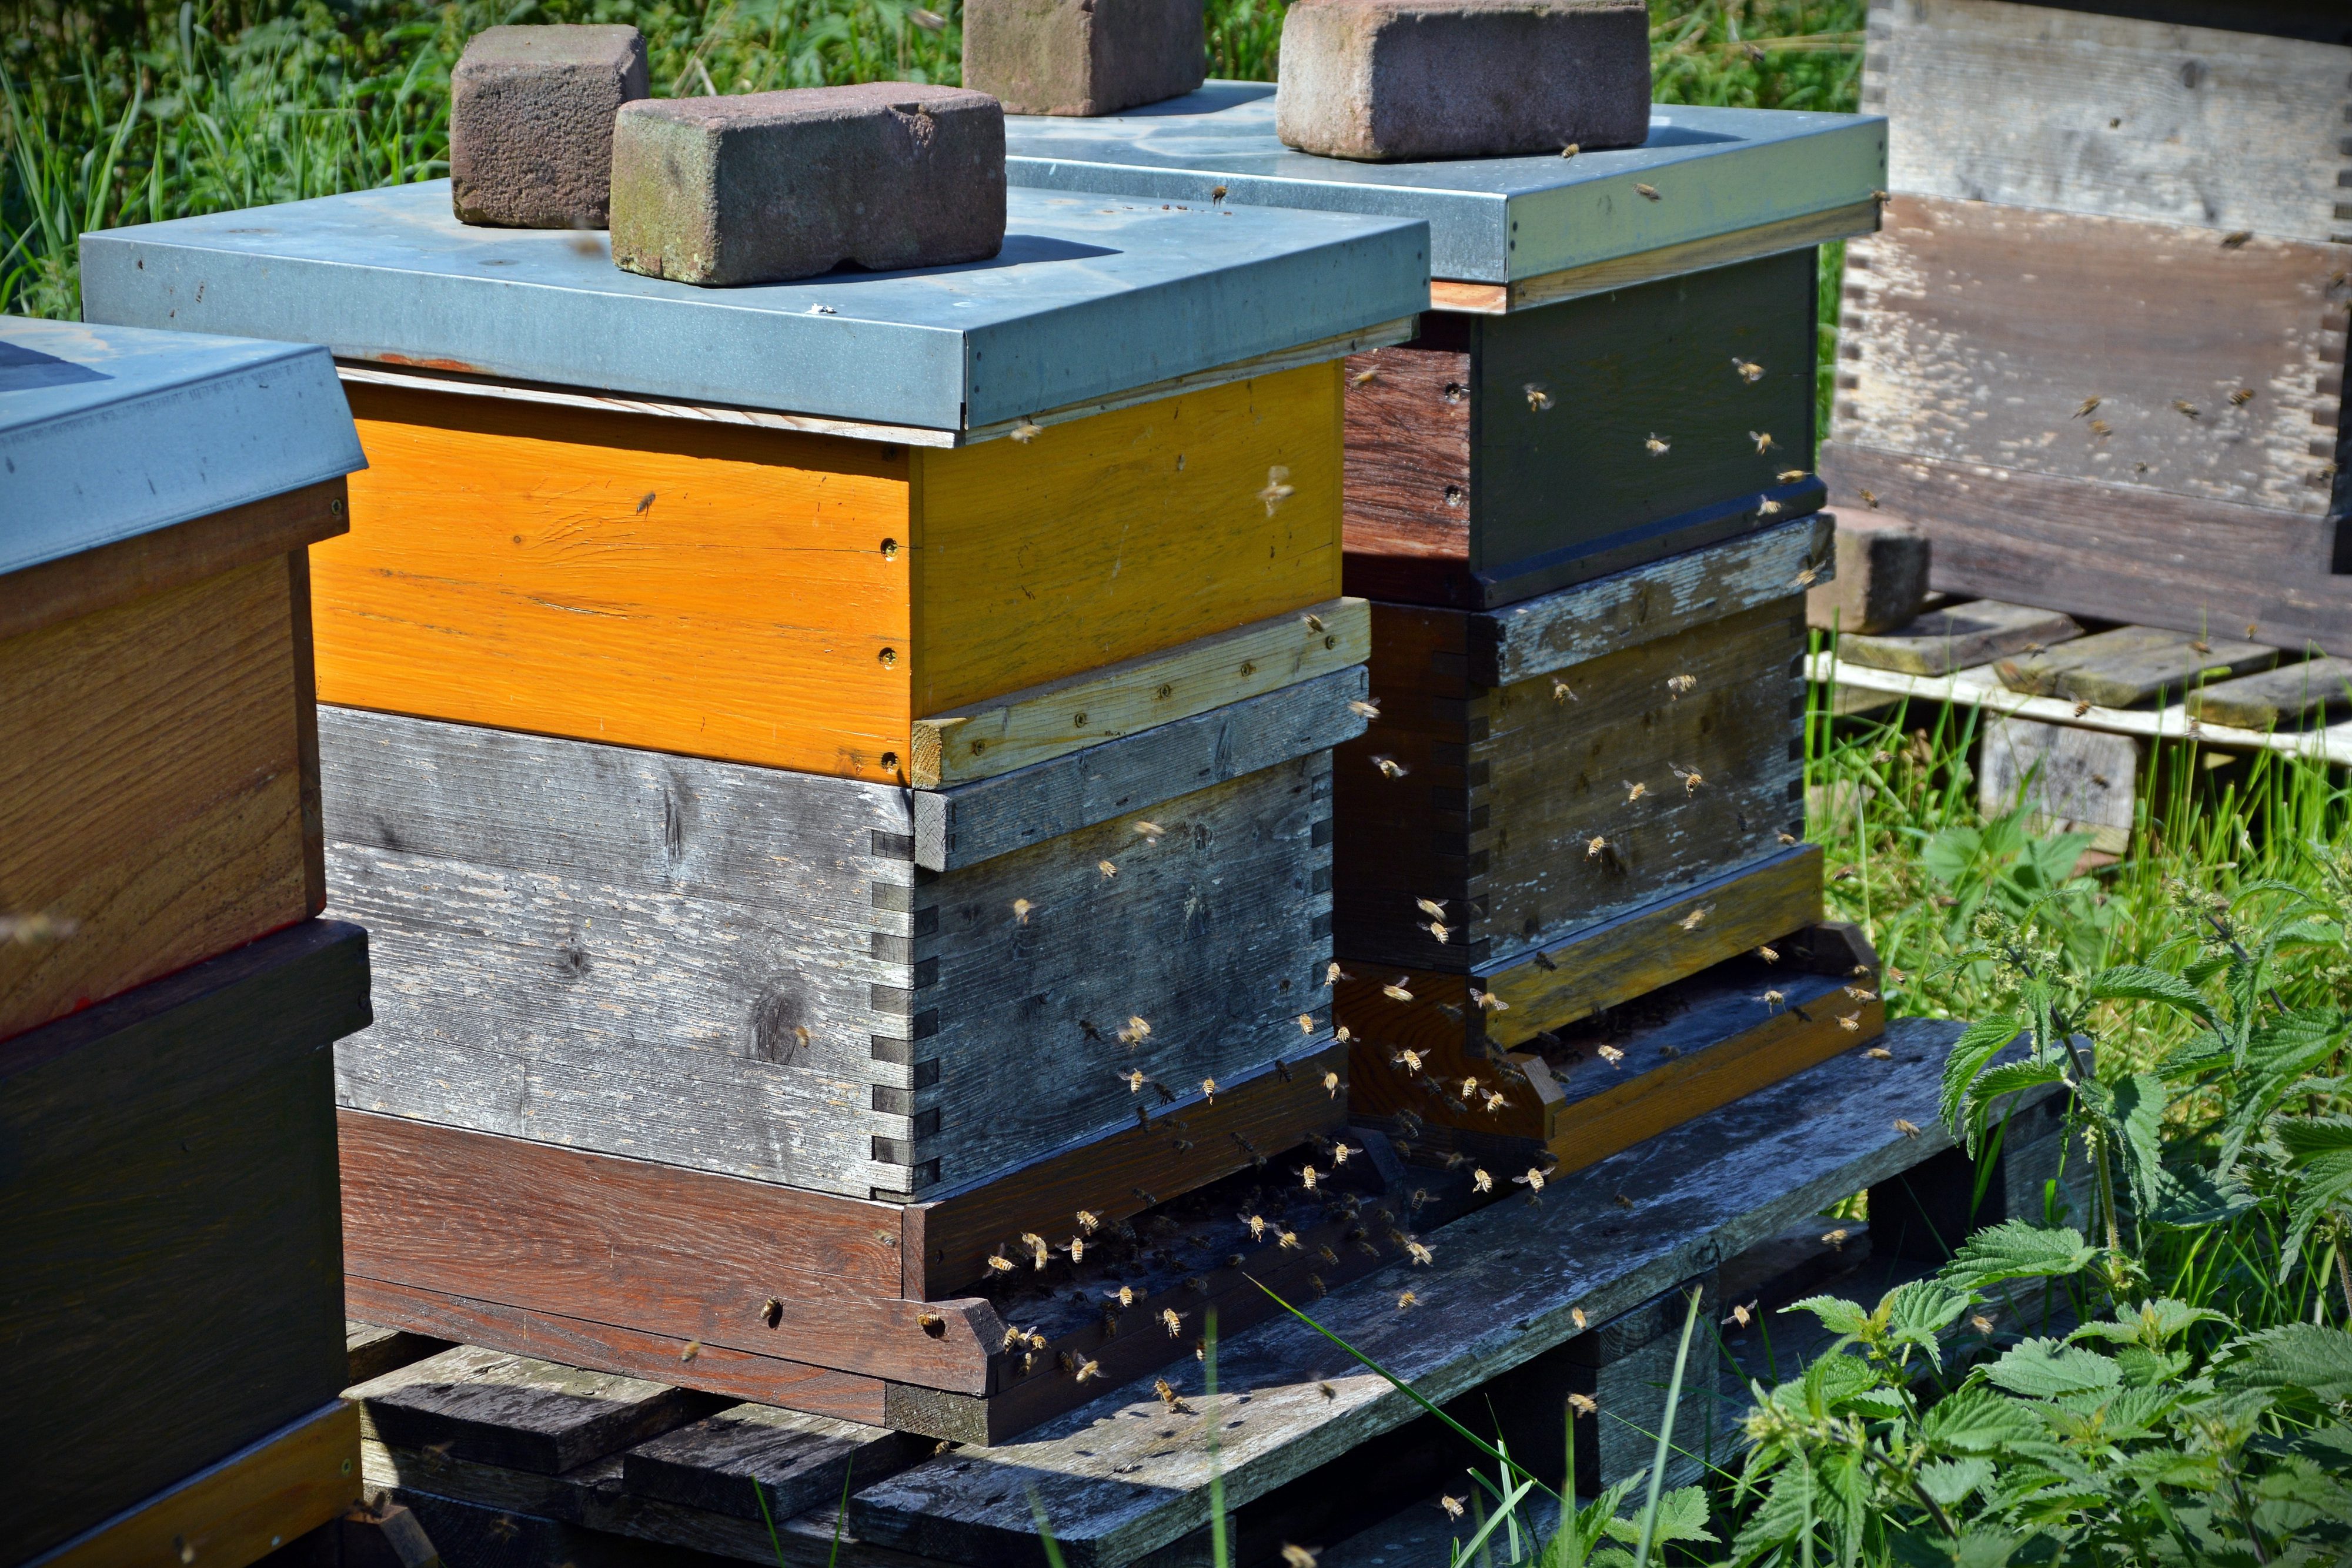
1491 220
110 432
1091 297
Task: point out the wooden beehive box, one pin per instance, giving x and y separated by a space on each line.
167 1005
2097 351
1611 337
819 526
158 787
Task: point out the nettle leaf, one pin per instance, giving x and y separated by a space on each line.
2204 1051
2138 983
2157 1324
2138 1108
1950 1481
1977 1045
1977 1420
2304 1357
1681 1515
2189 1197
1916 1313
2046 1368
2306 1138
1840 1317
2014 1250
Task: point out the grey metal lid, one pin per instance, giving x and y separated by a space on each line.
1491 220
110 432
1092 295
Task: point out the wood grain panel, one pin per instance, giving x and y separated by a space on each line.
1408 459
152 788
1124 533
652 582
1976 333
2112 115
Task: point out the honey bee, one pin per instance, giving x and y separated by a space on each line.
1169 1397
1014 1337
1150 830
1539 399
772 1312
1879 1053
1595 846
1696 917
2242 397
1453 1505
1769 955
1368 706
1430 907
999 1264
1365 377
1861 995
1407 1058
1396 991
1763 440
1407 1299
1333 974
1908 1129
1480 1181
1287 1239
1172 1321
1469 1087
1691 777
1037 1249
1981 1321
1870 499
2206 648
2100 427
1216 195
1024 432
1742 1316
1279 489
1087 1369
1772 999
1391 767
1306 1177
1768 508
1488 1001
1021 908
1209 1088
1746 370
1576 1316
2089 407
1609 1054
1788 837
1439 929
1561 691
1314 622
2183 406
1647 192
2236 238
1343 1034
1633 791
1107 868
693 1348
1657 447
1622 1201
1533 1180
1835 1238
1851 1023
1789 475
1339 1153
1679 686
1806 577
1331 1084
1572 150
1257 1227
2081 708
1137 1031
1584 1404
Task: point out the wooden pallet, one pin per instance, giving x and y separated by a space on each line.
1311 1447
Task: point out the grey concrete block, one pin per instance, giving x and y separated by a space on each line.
1385 79
1881 577
772 186
1082 57
531 123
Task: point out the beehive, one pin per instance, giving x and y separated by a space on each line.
166 1000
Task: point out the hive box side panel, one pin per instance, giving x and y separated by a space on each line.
167 1151
1408 470
1125 533
1214 931
1659 361
665 584
1975 334
2110 115
655 956
152 786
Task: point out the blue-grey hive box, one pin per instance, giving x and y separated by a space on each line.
168 998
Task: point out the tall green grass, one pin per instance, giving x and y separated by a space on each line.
142 109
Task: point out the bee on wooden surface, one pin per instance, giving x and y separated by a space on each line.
1331 1259
1680 687
772 1312
1572 150
999 1264
1908 1129
1691 777
1609 1054
1181 1145
1647 192
1279 489
1287 1241
1538 398
1390 768
1306 1177
1021 908
1137 1031
1879 1053
1560 693
2082 707
2235 238
1395 991
1763 440
1314 622
1769 955
1696 917
1331 1084
1584 1404
693 1348
1150 830
1835 1238
2184 407
1107 868
1172 1321
1870 499
1633 791
1169 1397
1748 370
1488 1001
1369 707
2100 427
1025 431
1407 1299
1789 475
1014 1337
1658 446
2242 397
1788 837
1851 1023
2206 648
1216 195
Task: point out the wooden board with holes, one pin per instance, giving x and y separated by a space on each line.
1497 458
1657 745
742 970
797 600
158 787
167 1148
2114 115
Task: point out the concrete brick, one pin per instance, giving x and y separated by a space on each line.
772 186
531 123
1881 577
1082 57
1385 79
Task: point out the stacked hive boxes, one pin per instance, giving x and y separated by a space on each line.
1580 500
839 772
167 998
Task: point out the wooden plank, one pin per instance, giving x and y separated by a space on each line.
2280 698
166 1149
510 1410
1975 334
61 591
236 1510
1408 468
2112 553
1960 636
373 1350
153 791
729 1462
1037 724
1506 1284
735 1265
1624 272
2130 666
2075 779
2113 115
990 817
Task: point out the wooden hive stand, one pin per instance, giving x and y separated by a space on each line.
846 813
167 998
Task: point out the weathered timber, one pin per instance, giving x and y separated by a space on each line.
1534 810
2132 665
733 1461
166 1149
2112 114
1459 442
2277 699
606 924
237 1509
1959 637
1500 1289
158 798
513 1411
373 1350
2074 780
1040 723
967 824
